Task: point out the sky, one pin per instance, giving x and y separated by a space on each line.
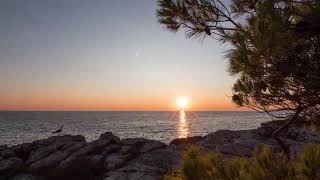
104 55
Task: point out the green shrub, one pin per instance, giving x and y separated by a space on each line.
309 162
264 165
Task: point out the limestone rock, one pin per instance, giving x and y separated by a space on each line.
71 157
26 177
188 140
149 166
10 166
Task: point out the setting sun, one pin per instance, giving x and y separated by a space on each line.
182 103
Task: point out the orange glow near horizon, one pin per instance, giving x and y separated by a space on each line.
116 104
134 65
79 100
113 105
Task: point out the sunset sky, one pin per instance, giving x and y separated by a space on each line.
104 55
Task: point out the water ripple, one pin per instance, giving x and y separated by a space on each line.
19 127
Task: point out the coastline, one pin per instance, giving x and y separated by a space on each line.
22 127
109 157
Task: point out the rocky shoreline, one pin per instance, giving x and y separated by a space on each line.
110 158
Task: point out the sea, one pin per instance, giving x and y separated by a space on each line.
27 126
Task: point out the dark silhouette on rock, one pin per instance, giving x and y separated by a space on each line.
58 130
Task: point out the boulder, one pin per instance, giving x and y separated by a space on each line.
71 157
89 158
10 166
7 153
23 150
188 140
115 160
149 166
267 128
151 145
302 135
131 148
48 154
24 176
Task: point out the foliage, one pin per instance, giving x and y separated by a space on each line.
309 165
264 165
274 48
268 165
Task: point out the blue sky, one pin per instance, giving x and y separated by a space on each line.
103 55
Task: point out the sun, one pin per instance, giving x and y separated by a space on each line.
182 103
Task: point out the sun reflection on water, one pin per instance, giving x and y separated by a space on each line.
183 129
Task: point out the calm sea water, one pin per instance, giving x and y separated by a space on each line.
19 127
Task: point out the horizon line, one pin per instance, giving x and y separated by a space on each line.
247 110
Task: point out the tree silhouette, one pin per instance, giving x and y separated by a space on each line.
274 50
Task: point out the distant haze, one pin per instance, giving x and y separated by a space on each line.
104 55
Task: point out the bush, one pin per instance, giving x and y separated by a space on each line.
264 165
309 162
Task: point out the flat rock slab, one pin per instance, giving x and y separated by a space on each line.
110 158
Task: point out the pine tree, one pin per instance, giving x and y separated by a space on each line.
274 50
